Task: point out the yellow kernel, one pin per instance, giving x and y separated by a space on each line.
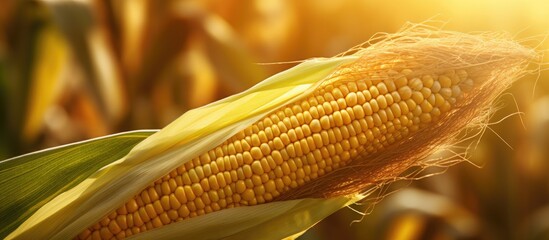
183 211
327 107
259 190
381 101
245 145
417 97
298 149
270 186
189 193
325 122
85 234
265 149
436 87
247 170
367 109
257 168
374 105
240 173
425 117
247 158
114 228
382 88
266 165
248 195
358 111
240 186
315 126
374 91
173 215
336 93
278 144
158 206
199 172
164 218
143 214
351 99
197 189
122 221
286 180
262 136
256 181
445 81
199 203
145 196
435 112
105 233
155 223
446 92
426 92
137 219
255 140
153 195
426 107
212 182
416 84
427 81
132 205
405 92
174 203
204 158
292 134
165 202
377 119
346 117
277 157
205 184
192 175
149 208
338 119
285 168
294 121
214 196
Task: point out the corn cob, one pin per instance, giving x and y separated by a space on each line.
302 141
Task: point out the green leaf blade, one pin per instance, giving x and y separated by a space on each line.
29 181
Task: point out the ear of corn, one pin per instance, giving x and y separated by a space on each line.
326 128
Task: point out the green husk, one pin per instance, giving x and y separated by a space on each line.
30 181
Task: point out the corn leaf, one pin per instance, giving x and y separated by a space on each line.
50 58
29 181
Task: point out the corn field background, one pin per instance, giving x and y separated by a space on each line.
74 70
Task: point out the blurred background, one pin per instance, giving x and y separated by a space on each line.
74 70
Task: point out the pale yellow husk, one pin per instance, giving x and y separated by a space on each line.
194 132
275 220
